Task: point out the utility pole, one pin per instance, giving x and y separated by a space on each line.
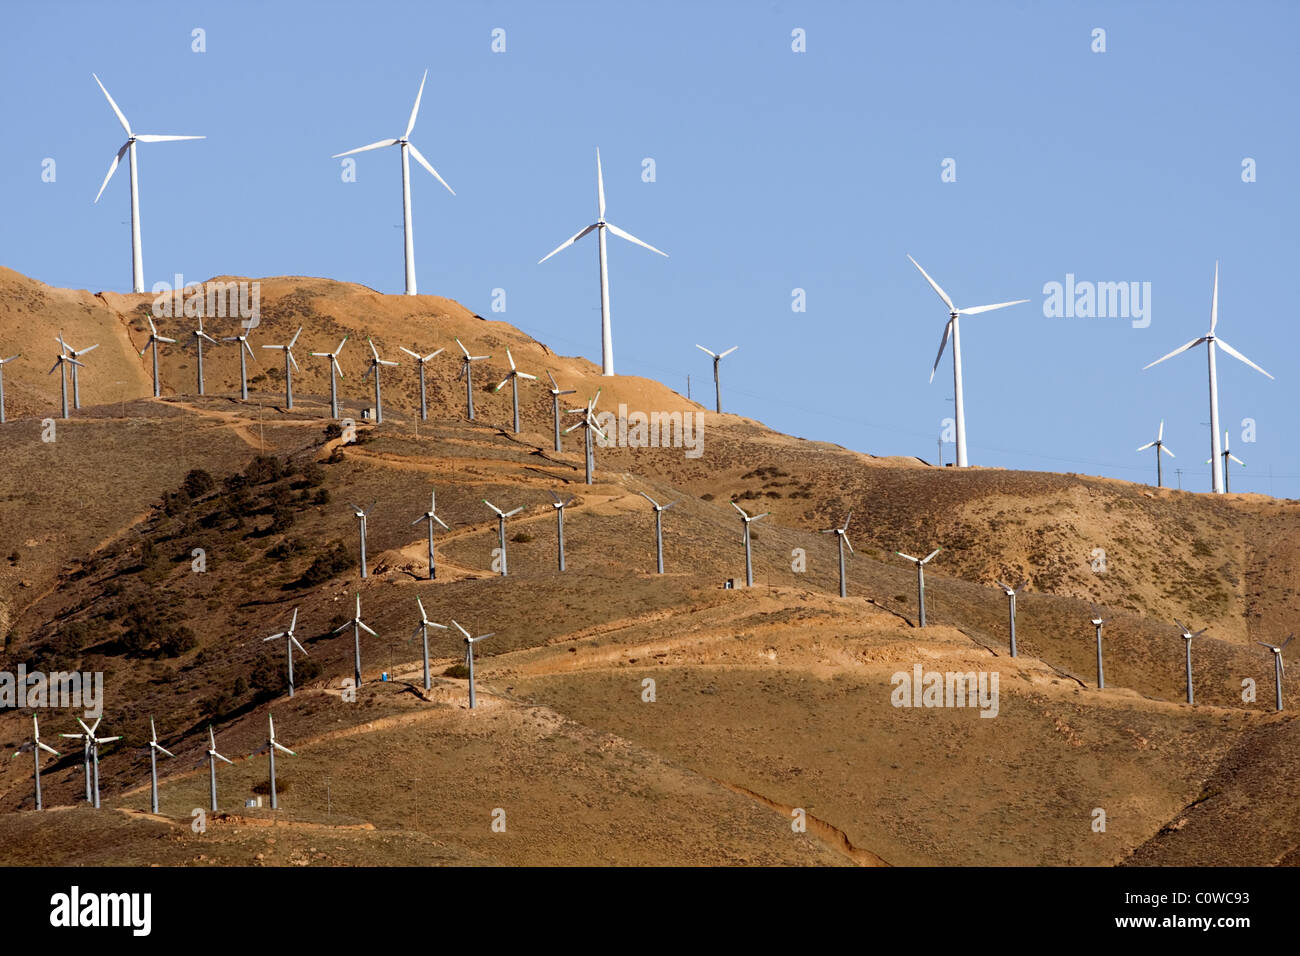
1179 473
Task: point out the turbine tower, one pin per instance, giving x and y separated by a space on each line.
423 630
128 149
408 150
559 505
659 529
290 363
513 377
357 626
213 757
1188 637
155 748
588 424
1011 593
952 328
1212 343
467 373
3 363
290 642
430 517
555 390
272 745
376 363
749 561
1097 621
420 360
76 354
245 353
842 539
152 343
63 360
501 529
199 337
1227 456
363 516
35 745
717 385
920 581
92 745
1159 446
336 372
606 337
1279 671
469 658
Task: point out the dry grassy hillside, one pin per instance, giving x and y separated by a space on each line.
766 701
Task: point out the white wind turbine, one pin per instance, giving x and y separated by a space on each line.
363 516
64 359
1279 671
213 757
373 368
1212 341
290 363
199 337
588 425
92 744
513 377
952 328
606 337
3 363
245 353
76 354
501 529
1098 621
842 538
467 373
1159 446
152 343
336 372
1227 456
1011 593
420 360
408 150
749 561
357 626
155 748
920 581
290 642
272 745
423 630
659 529
717 384
469 657
36 746
1188 637
559 505
431 517
555 391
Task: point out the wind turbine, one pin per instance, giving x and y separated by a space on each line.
423 630
244 347
37 747
1159 446
290 363
606 337
952 328
272 745
467 373
213 757
1211 341
420 360
1227 456
290 642
920 580
1188 637
152 343
1097 621
363 516
587 424
357 626
469 657
1011 593
842 539
501 529
376 363
659 529
559 506
717 385
513 377
430 517
408 150
749 563
1279 671
3 363
199 336
154 749
556 392
336 372
92 744
59 363
128 149
76 354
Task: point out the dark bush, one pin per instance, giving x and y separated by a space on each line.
197 484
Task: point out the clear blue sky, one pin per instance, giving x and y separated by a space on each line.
775 170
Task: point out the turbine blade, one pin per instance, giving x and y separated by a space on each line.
989 308
564 245
366 627
703 349
361 149
729 351
943 295
1165 449
1237 355
112 169
410 124
419 158
931 554
600 186
1181 348
943 343
121 118
151 138
1214 300
631 238
1146 446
